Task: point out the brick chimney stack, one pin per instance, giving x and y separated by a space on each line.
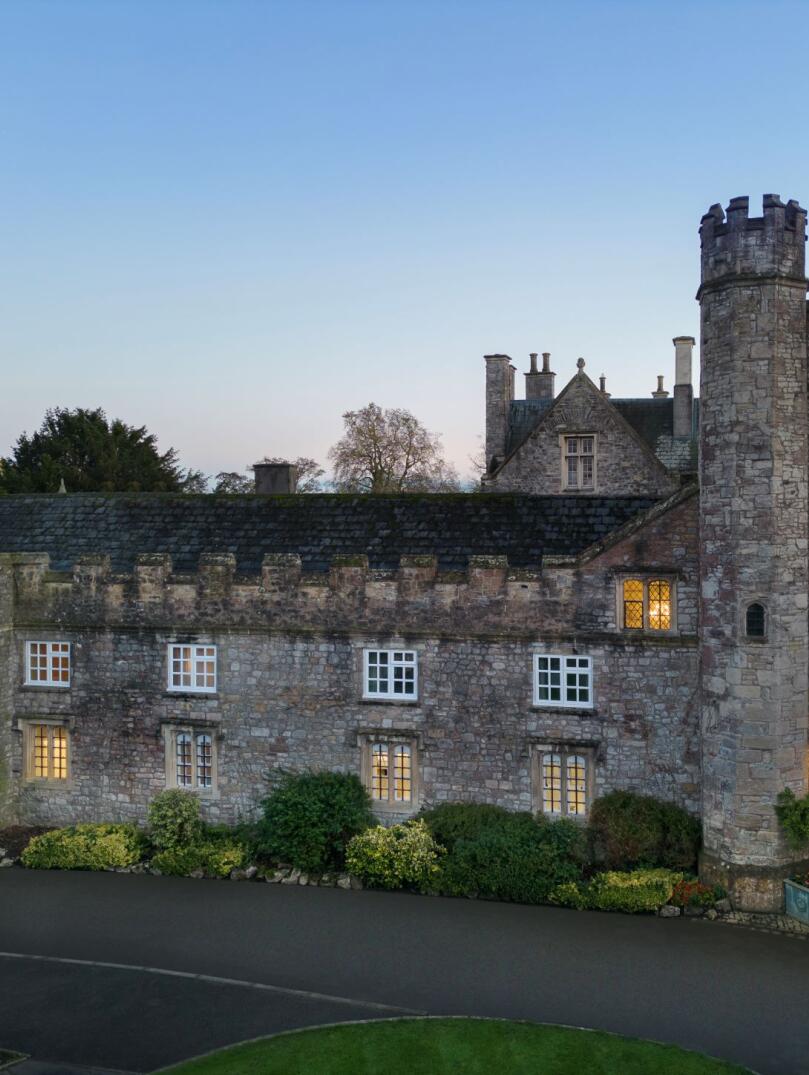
539 384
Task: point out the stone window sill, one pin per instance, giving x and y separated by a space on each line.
572 710
44 688
210 695
390 701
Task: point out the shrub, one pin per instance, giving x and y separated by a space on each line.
629 830
521 860
174 820
793 815
689 892
216 857
633 892
451 822
310 817
85 847
399 856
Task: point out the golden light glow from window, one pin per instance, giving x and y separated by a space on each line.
402 781
50 752
551 784
633 604
379 771
576 785
660 605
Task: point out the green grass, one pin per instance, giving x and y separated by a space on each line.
467 1046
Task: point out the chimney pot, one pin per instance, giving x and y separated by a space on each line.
533 356
546 362
661 393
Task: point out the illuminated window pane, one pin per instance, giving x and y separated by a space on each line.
633 604
551 783
576 785
402 779
659 605
379 771
41 750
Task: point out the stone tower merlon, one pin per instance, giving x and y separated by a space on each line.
739 245
499 396
683 387
539 384
754 534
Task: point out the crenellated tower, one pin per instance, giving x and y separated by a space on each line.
754 532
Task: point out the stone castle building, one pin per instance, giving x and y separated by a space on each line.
624 606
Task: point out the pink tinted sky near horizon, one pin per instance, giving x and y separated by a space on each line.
233 222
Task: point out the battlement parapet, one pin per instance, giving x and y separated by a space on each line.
734 244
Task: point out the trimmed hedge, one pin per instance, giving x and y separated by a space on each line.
402 856
451 822
504 855
632 893
310 817
85 847
215 856
629 830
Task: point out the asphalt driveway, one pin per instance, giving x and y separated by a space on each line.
133 972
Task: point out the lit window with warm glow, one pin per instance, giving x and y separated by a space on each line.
390 772
390 674
189 759
563 681
46 749
192 668
647 604
47 664
563 781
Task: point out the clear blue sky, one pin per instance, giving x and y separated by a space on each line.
231 221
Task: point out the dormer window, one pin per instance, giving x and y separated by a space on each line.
579 463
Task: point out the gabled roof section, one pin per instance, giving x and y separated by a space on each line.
318 528
579 381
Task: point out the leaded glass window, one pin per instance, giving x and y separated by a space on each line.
46 750
647 604
564 779
190 758
390 771
183 760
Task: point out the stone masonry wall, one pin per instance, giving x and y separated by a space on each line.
753 479
624 465
6 684
290 660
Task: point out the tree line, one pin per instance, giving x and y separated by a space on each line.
82 451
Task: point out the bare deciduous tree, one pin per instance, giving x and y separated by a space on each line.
389 451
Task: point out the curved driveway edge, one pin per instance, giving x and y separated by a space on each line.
731 993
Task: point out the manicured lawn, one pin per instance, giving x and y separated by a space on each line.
437 1046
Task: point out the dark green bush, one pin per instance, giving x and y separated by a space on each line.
310 817
451 822
629 830
216 855
85 847
635 892
174 820
513 858
793 815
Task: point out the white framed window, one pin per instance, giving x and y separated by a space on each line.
563 681
647 604
47 664
390 673
389 771
579 463
45 751
563 780
190 758
191 668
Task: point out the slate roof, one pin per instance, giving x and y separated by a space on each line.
317 527
652 419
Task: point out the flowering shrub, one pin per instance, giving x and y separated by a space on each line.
400 856
215 857
85 847
633 892
691 893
